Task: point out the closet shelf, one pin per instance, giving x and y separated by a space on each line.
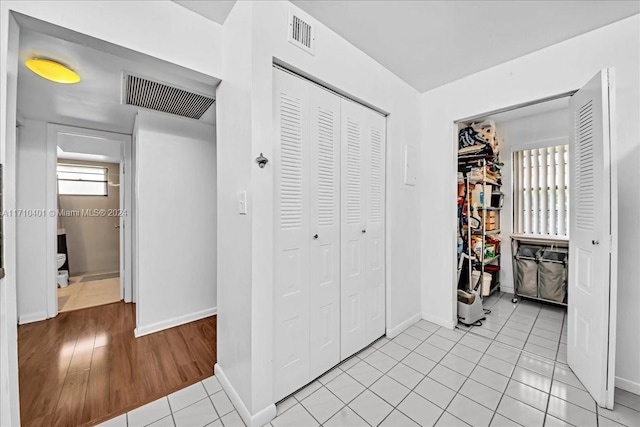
487 232
484 181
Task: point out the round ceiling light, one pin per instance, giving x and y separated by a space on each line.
52 70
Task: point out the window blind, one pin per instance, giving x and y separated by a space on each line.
541 179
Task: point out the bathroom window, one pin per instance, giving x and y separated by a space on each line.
82 180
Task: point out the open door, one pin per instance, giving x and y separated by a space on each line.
593 233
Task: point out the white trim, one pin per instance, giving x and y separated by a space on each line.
51 227
260 418
628 385
34 317
396 330
442 322
176 321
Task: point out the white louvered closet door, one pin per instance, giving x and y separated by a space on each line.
374 227
593 216
292 234
362 233
324 236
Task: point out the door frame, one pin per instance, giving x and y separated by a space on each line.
126 223
614 214
454 182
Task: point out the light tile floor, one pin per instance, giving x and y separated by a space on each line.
82 294
537 328
426 376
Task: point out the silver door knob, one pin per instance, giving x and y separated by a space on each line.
315 236
116 226
595 242
364 230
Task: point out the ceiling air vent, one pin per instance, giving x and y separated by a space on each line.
301 33
158 96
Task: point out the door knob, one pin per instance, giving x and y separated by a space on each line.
315 236
116 226
595 242
364 230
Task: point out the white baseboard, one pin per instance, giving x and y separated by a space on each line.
176 321
396 330
256 420
507 289
438 321
33 317
630 386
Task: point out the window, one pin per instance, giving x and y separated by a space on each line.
82 180
541 192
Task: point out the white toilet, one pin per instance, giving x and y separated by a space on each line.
63 275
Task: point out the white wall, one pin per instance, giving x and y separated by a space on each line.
515 135
550 71
154 28
9 397
247 84
175 208
32 230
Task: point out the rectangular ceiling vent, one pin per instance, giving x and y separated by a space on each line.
301 33
145 93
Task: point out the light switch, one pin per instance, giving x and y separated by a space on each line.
242 203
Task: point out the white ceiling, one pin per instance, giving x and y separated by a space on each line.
431 43
94 102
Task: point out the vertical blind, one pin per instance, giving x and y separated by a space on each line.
541 198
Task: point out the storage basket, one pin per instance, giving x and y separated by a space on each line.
552 275
526 260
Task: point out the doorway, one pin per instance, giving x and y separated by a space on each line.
89 355
93 230
515 215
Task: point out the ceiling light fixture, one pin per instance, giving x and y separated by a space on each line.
52 70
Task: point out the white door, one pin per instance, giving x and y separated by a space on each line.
292 234
374 229
593 236
363 199
324 236
353 207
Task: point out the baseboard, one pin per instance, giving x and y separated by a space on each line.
438 321
33 317
630 386
397 330
176 321
256 420
507 290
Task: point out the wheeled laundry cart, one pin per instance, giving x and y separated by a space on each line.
540 268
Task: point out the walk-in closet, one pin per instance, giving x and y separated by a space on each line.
512 234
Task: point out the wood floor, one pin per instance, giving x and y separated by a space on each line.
85 366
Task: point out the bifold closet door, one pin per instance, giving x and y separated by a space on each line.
324 266
307 232
362 231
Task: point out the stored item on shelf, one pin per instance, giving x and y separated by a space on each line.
485 286
489 250
497 199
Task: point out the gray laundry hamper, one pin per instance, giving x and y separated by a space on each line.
552 274
526 266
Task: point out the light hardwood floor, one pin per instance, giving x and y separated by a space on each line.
82 293
85 366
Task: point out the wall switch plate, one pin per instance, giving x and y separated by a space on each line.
242 203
